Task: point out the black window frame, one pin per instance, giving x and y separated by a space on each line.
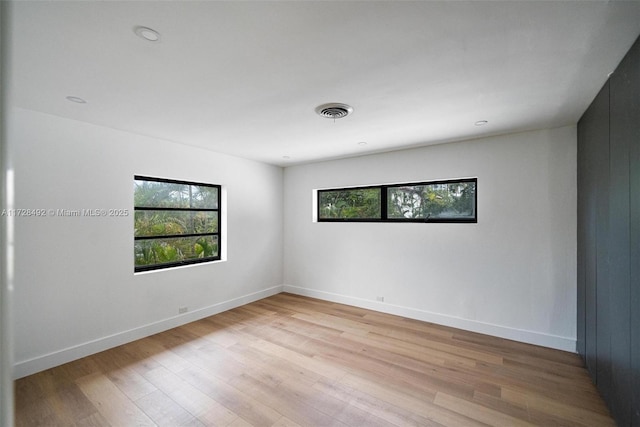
218 233
384 207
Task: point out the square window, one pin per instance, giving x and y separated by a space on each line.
175 223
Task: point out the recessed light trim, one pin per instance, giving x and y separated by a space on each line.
147 33
76 99
362 143
481 122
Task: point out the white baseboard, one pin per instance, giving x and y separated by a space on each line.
40 363
529 337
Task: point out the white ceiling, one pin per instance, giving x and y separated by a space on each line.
244 78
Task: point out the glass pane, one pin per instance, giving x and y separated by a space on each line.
163 251
432 201
167 223
153 194
204 197
363 203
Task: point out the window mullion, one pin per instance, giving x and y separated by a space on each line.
383 202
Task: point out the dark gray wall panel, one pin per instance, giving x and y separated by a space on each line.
593 143
625 149
609 240
603 325
584 227
634 273
621 129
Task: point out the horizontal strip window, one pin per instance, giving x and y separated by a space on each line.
175 223
430 201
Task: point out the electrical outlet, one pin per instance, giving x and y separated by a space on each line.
182 310
381 299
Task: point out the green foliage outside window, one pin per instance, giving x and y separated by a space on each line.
351 203
437 201
430 201
175 223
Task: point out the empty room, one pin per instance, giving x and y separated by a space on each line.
320 213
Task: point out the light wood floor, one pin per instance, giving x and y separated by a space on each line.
289 360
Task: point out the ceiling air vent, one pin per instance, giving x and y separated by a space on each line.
334 110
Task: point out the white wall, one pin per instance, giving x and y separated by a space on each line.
6 254
513 274
76 292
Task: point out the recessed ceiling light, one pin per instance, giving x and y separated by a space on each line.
334 110
362 143
147 33
481 122
76 99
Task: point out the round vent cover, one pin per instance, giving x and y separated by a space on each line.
334 110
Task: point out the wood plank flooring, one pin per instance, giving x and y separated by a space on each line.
289 360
